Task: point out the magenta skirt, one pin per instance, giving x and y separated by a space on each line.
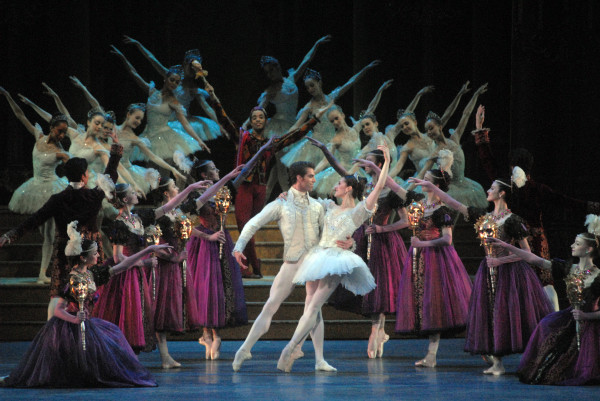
436 299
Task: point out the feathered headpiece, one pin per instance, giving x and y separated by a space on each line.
73 247
592 222
151 177
519 178
444 160
183 163
106 184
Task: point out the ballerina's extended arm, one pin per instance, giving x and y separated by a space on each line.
460 129
161 69
297 73
59 104
88 96
136 77
20 115
371 200
449 112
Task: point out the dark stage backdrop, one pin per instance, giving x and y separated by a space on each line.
539 57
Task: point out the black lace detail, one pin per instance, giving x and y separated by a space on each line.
515 227
443 217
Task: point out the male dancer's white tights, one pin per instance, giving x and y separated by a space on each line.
282 287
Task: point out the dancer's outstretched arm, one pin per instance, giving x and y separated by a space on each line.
524 254
460 129
161 69
297 73
413 103
180 197
375 101
20 115
329 157
136 77
344 88
449 112
88 96
444 197
41 112
59 105
371 200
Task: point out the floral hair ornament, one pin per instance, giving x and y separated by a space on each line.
592 222
73 247
519 178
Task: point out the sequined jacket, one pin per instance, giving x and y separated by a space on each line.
286 213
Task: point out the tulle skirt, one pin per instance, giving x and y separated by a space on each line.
551 356
218 284
34 193
436 299
165 141
520 303
206 128
303 150
55 358
138 173
468 192
126 301
321 262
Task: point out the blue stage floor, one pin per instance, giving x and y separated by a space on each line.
457 377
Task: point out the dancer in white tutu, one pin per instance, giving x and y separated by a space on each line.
324 131
161 105
329 265
32 194
466 191
206 128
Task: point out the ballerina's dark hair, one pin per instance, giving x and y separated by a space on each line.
157 194
136 106
405 113
87 246
120 192
441 179
434 117
95 112
379 158
57 119
312 74
358 185
199 167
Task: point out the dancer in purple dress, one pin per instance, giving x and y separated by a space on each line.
217 280
56 356
433 296
176 306
508 299
126 300
552 355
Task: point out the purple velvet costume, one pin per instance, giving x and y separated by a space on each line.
501 323
56 358
436 298
551 356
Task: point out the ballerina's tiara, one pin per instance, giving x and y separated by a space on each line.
405 113
110 116
264 60
136 106
312 74
96 111
58 118
432 116
191 55
175 69
363 114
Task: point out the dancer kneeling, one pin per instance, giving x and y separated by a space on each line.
559 352
328 265
57 356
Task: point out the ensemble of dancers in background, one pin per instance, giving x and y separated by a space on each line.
117 293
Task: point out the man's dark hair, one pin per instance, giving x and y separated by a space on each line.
75 168
299 169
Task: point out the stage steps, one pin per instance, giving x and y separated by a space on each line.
23 303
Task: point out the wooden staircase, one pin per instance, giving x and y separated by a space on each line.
23 303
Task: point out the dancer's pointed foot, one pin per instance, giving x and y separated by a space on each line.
215 350
297 354
285 360
373 345
169 363
207 342
43 280
323 366
496 369
382 340
240 357
428 362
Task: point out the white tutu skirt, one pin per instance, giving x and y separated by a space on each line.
165 141
206 128
138 173
34 193
277 127
321 262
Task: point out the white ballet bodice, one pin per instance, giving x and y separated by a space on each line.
158 112
348 149
421 152
340 223
44 163
285 101
88 152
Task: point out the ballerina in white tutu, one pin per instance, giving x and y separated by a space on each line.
161 105
329 265
206 128
32 194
